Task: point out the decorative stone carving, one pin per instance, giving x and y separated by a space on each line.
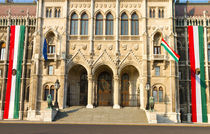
80 5
121 5
105 5
130 5
75 5
88 5
73 47
96 5
84 5
124 46
101 5
166 27
136 47
84 47
110 5
99 47
153 28
72 6
110 47
126 5
139 5
134 5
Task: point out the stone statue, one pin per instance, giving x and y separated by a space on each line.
151 103
49 101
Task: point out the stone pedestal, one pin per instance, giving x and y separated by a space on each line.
116 106
49 115
151 117
89 106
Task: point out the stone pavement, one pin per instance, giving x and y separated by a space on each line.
79 114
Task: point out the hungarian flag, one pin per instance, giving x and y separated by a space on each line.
170 50
11 108
198 94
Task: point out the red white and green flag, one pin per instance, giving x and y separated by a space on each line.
11 108
170 50
198 93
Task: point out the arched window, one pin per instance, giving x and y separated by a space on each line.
160 96
134 24
154 94
46 92
57 12
74 24
50 42
124 24
52 91
84 24
109 24
48 12
99 24
156 43
2 50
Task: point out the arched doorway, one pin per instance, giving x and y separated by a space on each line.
77 86
130 94
104 85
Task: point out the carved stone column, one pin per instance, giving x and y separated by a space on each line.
116 92
90 92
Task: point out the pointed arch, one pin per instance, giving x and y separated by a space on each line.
124 24
99 24
99 11
84 24
109 23
2 50
134 24
74 24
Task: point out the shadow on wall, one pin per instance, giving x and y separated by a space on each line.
163 119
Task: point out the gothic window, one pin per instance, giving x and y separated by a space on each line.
209 52
109 24
158 93
50 43
157 71
84 24
50 70
2 50
152 12
160 96
48 12
46 92
52 91
99 24
57 12
74 24
161 13
124 24
156 43
134 24
154 94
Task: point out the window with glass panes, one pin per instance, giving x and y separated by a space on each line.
157 71
74 24
134 24
99 24
48 12
124 24
84 24
2 50
50 70
109 24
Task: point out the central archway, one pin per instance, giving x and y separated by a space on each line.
104 89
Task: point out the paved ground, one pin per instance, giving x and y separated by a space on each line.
79 114
34 128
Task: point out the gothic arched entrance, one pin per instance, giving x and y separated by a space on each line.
77 86
104 91
130 93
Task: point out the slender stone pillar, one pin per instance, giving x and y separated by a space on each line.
117 25
92 27
90 92
116 92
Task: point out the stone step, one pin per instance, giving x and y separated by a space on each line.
79 114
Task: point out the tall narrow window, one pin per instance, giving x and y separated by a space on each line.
84 24
2 50
157 71
50 70
52 91
99 24
160 94
154 94
209 52
152 12
124 24
74 24
48 12
109 24
161 13
134 24
57 12
156 43
46 92
50 43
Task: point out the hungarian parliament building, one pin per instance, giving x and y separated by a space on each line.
104 53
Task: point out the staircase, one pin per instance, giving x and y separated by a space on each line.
79 114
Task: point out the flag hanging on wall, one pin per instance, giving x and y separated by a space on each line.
44 51
11 108
170 50
198 94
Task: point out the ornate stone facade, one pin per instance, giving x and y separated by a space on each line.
96 68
